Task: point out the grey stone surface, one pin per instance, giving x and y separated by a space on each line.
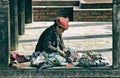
4 37
85 36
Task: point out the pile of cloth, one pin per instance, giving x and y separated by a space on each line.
40 60
93 59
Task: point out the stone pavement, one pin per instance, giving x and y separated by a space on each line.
85 36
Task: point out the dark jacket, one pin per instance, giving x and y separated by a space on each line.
48 41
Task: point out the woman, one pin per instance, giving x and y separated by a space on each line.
51 40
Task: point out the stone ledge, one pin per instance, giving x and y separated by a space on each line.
53 6
55 3
94 5
97 1
60 73
77 8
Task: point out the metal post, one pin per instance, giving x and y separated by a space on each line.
21 17
28 11
14 24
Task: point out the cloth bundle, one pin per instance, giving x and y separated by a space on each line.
93 59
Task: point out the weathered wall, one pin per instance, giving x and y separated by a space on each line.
49 13
59 73
93 15
116 33
4 35
48 10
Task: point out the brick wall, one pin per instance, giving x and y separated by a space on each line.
50 13
93 15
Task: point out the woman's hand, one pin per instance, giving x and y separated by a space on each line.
64 50
62 53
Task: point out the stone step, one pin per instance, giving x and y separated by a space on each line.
81 3
97 1
55 3
94 10
95 5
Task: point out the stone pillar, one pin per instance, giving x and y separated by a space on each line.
28 11
116 34
21 17
14 24
4 34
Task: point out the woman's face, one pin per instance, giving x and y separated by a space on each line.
59 29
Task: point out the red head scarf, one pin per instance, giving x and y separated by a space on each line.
62 22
